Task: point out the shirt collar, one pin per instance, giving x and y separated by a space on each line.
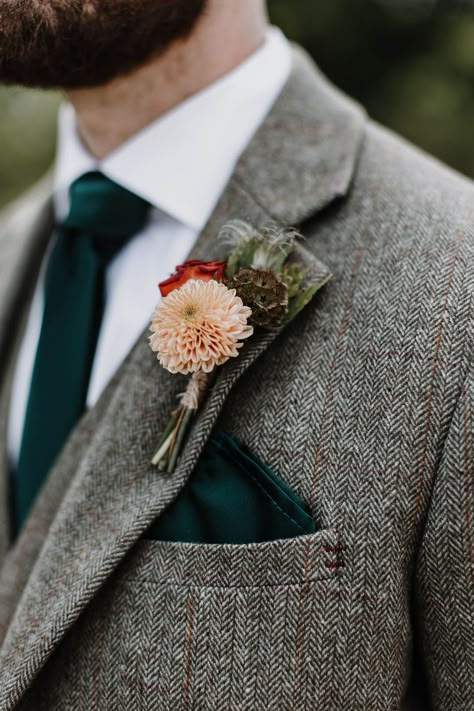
182 161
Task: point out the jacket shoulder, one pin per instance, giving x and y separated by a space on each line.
402 243
414 189
410 218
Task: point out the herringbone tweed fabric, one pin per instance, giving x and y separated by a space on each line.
364 405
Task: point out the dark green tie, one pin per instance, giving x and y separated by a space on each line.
103 217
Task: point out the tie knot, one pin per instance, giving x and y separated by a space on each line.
104 209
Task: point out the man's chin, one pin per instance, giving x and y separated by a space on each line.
32 78
53 45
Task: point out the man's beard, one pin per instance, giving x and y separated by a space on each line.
84 43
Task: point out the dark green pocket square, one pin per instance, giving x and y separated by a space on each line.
232 497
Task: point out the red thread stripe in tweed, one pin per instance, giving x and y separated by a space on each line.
468 454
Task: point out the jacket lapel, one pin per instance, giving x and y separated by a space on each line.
114 493
24 232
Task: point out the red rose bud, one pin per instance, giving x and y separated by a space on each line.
193 269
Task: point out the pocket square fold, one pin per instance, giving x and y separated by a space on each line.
232 496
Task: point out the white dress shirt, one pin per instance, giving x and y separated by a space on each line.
180 164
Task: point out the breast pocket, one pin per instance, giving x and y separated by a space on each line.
212 626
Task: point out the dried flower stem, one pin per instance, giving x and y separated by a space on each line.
172 439
180 434
176 430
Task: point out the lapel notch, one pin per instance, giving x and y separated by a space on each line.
304 155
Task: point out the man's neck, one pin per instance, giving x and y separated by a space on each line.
109 115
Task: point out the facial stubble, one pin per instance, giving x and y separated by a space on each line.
71 44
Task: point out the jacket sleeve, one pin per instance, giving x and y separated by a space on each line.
444 580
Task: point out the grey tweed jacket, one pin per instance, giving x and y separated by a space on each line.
364 405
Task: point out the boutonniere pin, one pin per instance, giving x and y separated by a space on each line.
210 309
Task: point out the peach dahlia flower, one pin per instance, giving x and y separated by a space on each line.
199 326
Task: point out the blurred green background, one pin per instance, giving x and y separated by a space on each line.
410 62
